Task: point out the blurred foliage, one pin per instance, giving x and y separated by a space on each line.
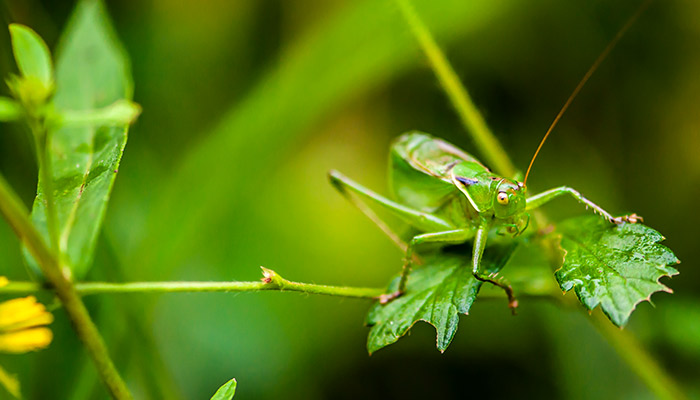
248 104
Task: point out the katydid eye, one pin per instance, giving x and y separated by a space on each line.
502 198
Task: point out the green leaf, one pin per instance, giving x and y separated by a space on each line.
32 55
616 266
10 110
226 391
92 72
436 293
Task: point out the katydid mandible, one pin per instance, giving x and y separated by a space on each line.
446 196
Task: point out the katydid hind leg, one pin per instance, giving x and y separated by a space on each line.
546 196
363 198
493 278
455 236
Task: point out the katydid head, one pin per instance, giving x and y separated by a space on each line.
490 194
509 206
509 199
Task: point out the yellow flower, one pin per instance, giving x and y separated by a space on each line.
22 324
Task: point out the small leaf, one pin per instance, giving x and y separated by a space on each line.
616 266
436 293
226 391
10 110
92 73
32 55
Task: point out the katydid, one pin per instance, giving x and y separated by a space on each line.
446 196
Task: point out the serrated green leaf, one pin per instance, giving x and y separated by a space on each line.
436 293
226 391
92 72
32 55
616 266
10 110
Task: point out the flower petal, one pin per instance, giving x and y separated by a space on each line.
25 340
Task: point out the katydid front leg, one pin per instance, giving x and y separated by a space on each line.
544 197
455 236
493 278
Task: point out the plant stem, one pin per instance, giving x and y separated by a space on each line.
42 142
485 140
271 281
638 359
17 216
632 352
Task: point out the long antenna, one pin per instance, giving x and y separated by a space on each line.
590 72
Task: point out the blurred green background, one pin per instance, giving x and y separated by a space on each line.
248 104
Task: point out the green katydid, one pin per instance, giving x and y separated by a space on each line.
449 197
446 196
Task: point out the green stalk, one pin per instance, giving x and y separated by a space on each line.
629 349
472 120
18 217
271 282
42 142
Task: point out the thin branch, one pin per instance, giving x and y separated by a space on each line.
271 281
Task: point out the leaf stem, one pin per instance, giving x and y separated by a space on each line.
485 140
16 215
